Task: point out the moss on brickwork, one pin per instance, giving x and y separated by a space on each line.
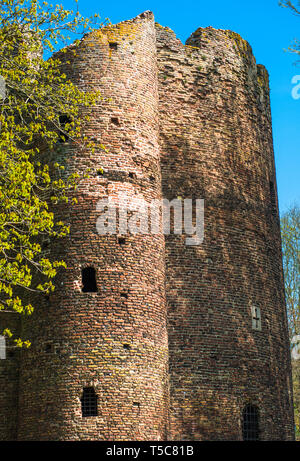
167 339
242 46
115 33
216 126
262 77
165 28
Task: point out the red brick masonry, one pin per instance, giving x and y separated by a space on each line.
167 340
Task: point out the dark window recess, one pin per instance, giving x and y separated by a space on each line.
63 121
132 175
124 295
121 240
89 405
48 348
89 284
115 121
273 197
152 178
45 244
126 347
250 423
113 45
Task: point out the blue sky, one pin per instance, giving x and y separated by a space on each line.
269 29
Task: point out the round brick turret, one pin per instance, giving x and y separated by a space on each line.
113 340
228 341
146 337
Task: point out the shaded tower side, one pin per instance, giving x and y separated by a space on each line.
227 325
102 335
9 379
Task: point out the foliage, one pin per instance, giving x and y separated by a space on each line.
290 227
38 93
296 393
295 9
290 231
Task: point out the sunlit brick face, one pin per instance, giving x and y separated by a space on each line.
108 361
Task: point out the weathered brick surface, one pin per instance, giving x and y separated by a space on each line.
216 143
88 331
9 381
190 121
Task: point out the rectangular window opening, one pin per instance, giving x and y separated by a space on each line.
115 121
64 120
256 318
89 404
89 283
113 46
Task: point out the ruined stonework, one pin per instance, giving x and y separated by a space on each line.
167 341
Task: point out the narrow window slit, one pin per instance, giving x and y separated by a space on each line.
250 423
89 404
115 121
113 45
63 121
89 284
127 347
2 348
121 240
48 348
256 318
45 244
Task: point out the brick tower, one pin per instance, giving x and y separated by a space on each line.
112 340
228 339
146 338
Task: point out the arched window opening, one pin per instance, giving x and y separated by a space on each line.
89 284
64 120
250 423
89 405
